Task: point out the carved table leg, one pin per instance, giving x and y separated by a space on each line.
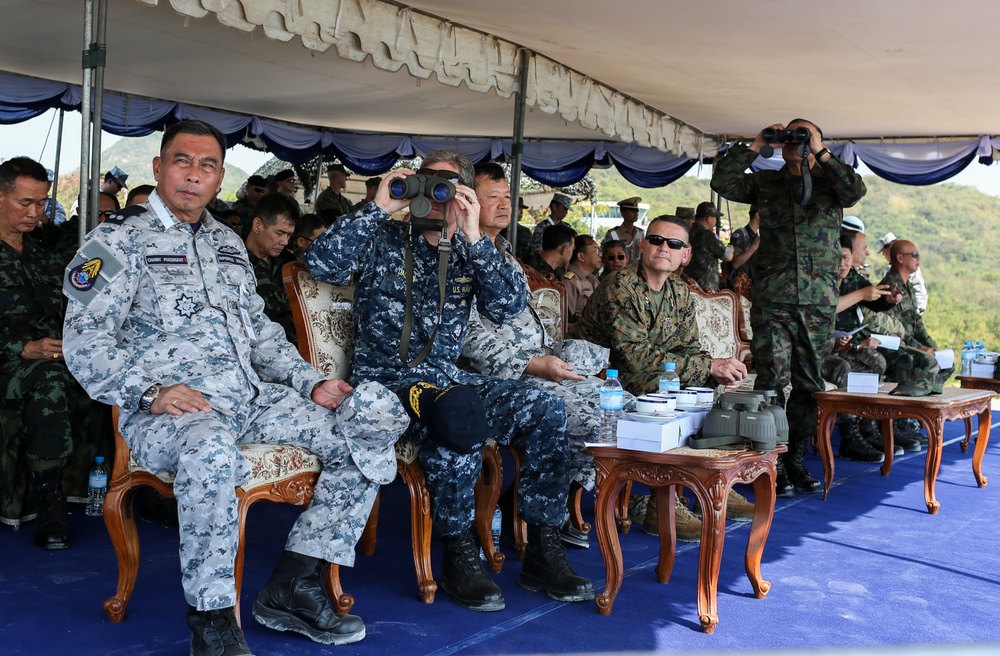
982 439
935 429
824 428
607 538
713 531
968 433
888 446
763 513
665 517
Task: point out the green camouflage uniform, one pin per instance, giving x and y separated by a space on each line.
544 268
272 289
910 365
706 252
30 283
332 205
620 316
795 287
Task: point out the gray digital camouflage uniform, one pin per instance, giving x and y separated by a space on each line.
152 301
504 350
368 247
620 316
795 272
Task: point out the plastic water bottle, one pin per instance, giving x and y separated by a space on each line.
669 380
97 487
497 524
612 400
980 350
968 356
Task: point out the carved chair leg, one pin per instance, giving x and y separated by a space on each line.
342 602
575 512
520 526
487 495
120 522
421 527
242 508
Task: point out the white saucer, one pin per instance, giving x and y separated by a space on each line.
632 415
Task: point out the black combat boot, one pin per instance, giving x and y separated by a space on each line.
873 435
854 447
293 599
782 486
52 525
904 436
546 569
798 475
463 576
216 633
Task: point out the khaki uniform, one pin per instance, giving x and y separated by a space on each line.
579 287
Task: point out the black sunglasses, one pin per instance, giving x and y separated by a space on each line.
450 176
674 244
914 254
106 213
620 256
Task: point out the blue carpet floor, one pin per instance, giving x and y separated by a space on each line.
868 568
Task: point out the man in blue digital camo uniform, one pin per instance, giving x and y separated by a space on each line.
164 321
455 410
795 287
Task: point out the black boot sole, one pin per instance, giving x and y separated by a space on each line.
281 620
535 584
479 607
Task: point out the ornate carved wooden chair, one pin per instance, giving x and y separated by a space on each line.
742 288
281 474
324 323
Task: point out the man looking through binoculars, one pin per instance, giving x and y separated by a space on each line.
416 281
795 281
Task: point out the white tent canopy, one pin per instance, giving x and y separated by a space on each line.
671 75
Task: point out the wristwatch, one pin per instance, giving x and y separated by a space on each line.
147 398
824 151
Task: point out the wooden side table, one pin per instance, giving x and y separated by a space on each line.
710 474
932 411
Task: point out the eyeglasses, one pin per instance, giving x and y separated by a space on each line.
450 176
610 256
106 213
673 244
914 254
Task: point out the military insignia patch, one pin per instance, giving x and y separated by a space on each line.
185 306
229 250
84 276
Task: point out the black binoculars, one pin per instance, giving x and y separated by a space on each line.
423 189
770 135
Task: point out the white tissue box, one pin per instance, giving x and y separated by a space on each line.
982 369
649 436
858 383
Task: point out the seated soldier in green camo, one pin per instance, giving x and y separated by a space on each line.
275 216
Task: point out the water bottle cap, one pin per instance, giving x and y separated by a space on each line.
611 373
669 366
99 459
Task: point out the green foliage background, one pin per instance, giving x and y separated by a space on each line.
954 227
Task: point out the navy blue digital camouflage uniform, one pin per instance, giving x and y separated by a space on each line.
153 300
368 247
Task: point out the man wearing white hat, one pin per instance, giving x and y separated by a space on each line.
916 280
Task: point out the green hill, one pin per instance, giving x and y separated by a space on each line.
954 227
135 156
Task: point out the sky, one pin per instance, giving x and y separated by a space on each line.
36 139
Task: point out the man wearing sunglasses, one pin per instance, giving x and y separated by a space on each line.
795 287
904 262
645 315
614 258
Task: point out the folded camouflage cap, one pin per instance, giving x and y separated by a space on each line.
587 358
371 419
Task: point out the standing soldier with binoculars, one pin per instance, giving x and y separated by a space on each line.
795 286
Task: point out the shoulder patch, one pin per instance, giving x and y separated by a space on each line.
120 217
93 267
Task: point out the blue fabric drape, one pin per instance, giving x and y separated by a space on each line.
556 163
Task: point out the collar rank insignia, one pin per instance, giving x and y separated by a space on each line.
84 276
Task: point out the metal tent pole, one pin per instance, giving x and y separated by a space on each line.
517 150
55 170
98 51
88 38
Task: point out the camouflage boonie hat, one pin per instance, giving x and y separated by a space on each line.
372 419
587 358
